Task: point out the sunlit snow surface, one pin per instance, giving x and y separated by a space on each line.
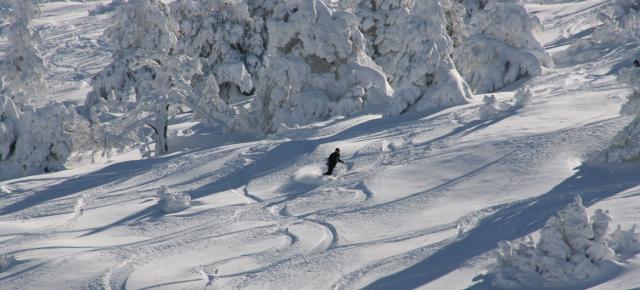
421 202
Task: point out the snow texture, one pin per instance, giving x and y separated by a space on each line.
311 174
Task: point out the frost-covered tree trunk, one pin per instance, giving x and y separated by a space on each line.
8 127
22 69
159 125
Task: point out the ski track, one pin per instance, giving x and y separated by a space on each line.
262 229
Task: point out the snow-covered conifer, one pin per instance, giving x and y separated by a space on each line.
161 82
501 48
620 23
625 243
625 145
315 67
22 69
34 140
139 26
147 76
411 43
489 109
225 34
43 144
573 246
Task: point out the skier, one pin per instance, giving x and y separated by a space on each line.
332 161
637 63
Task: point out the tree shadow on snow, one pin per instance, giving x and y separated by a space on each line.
289 152
149 212
593 183
111 173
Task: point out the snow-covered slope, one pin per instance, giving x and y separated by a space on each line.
422 200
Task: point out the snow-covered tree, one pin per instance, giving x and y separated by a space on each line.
315 67
620 23
139 26
146 77
411 43
22 69
227 36
573 247
303 61
161 82
34 140
501 48
625 145
43 145
625 242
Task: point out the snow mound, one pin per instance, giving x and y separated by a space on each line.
6 261
490 108
522 98
171 202
574 248
310 174
5 189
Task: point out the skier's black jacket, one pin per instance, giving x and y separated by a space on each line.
333 159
